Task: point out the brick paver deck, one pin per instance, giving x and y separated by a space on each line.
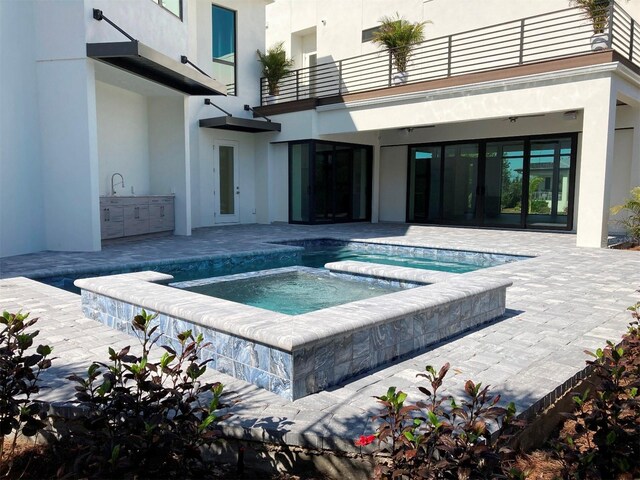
562 302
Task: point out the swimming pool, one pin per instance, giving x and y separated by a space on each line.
310 253
293 290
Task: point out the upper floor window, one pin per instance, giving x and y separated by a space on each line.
174 6
367 35
223 46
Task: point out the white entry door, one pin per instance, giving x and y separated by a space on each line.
226 189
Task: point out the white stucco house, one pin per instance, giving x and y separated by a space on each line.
508 117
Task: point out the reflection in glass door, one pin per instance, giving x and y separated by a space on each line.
322 185
424 184
460 184
342 184
360 184
549 177
329 182
522 182
226 184
503 183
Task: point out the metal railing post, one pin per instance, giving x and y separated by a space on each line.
298 84
340 77
631 38
449 55
521 55
261 91
390 68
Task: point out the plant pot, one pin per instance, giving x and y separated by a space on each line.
400 78
270 99
599 41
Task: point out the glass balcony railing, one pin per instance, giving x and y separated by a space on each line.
545 37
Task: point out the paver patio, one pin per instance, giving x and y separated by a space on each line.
563 301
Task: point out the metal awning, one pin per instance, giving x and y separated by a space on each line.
240 124
141 60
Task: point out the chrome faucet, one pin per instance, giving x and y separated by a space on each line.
121 182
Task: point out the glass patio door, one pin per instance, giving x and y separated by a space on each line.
329 182
460 184
504 168
549 183
523 182
332 184
227 189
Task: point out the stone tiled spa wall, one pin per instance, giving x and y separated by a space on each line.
331 361
262 365
315 366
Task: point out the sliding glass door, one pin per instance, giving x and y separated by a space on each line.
522 182
504 167
460 184
549 179
329 182
424 184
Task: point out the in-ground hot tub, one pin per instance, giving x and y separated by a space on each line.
296 355
294 290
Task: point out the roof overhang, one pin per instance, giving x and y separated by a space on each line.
137 58
240 124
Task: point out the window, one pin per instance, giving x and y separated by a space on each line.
174 6
367 35
223 47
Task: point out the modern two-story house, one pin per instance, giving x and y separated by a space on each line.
509 118
102 112
125 117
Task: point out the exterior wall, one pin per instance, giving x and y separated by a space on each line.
21 195
393 184
123 139
250 36
339 24
622 178
145 21
279 183
69 154
170 170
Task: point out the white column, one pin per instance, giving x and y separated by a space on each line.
169 157
68 126
596 159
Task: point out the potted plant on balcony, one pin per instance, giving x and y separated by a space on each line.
275 65
399 36
598 13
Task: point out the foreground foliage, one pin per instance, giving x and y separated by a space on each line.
20 369
605 439
630 222
439 437
146 418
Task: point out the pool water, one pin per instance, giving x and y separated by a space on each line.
292 291
308 253
318 256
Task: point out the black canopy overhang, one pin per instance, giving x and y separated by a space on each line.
240 124
141 60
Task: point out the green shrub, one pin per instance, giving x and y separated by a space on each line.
606 442
20 369
430 440
147 418
631 223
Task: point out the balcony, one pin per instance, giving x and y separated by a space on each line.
543 43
